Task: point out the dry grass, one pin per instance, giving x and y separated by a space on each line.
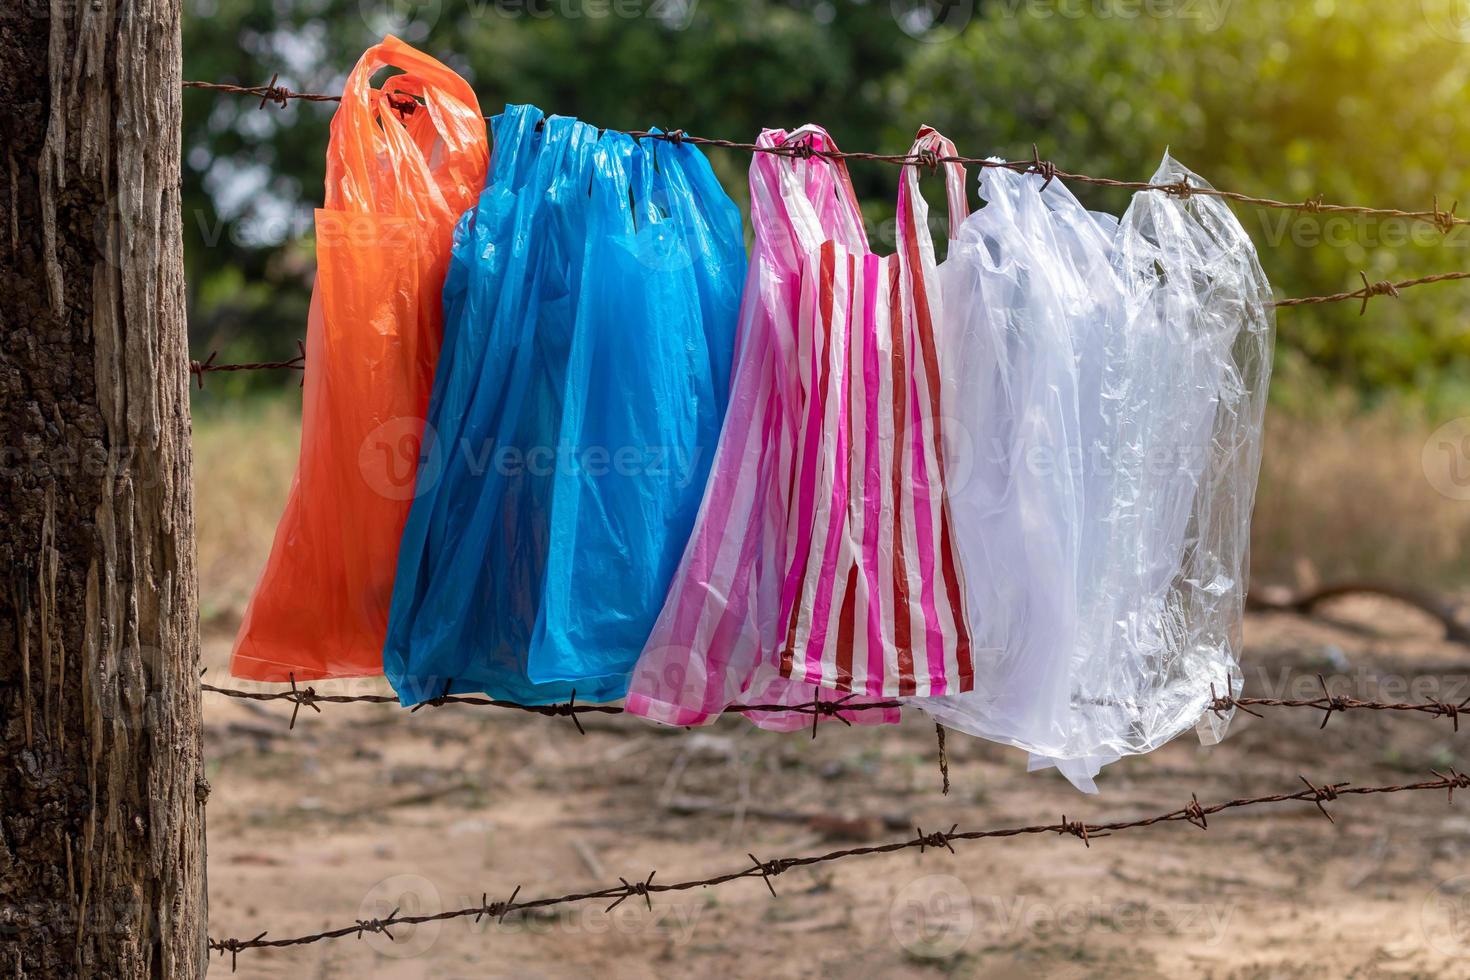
1342 496
1345 496
244 456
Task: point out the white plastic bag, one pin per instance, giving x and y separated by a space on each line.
1171 333
1010 296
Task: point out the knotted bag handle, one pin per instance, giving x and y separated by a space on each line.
375 157
913 210
804 181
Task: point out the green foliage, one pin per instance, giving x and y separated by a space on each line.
1278 100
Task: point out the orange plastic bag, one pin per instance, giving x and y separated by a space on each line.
403 164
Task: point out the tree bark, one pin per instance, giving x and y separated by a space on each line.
101 785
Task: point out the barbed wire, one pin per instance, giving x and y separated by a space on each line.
1219 704
1445 220
1194 812
308 697
198 369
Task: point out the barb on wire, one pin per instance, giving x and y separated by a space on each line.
1193 813
1443 220
198 369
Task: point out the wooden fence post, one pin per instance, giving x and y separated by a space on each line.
101 784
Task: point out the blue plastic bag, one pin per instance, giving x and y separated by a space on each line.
589 324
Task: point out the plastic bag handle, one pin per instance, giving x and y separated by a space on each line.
366 126
913 210
794 175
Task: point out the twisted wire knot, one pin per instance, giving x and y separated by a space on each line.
377 925
770 869
1313 205
1370 289
631 888
1333 702
301 696
1445 221
200 368
1045 168
1076 828
1454 780
498 910
1326 793
939 838
1450 710
802 149
272 92
403 104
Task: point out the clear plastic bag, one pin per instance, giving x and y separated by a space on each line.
1166 555
591 312
1011 301
1172 335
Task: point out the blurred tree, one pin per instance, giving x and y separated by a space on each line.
1277 100
1281 100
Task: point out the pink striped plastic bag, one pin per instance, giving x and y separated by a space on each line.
717 640
756 575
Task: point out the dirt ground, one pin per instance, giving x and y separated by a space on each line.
364 808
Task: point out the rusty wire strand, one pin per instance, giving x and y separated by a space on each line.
1193 813
198 369
1219 704
1445 220
308 697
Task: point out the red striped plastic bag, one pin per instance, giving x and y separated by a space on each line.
717 640
874 597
